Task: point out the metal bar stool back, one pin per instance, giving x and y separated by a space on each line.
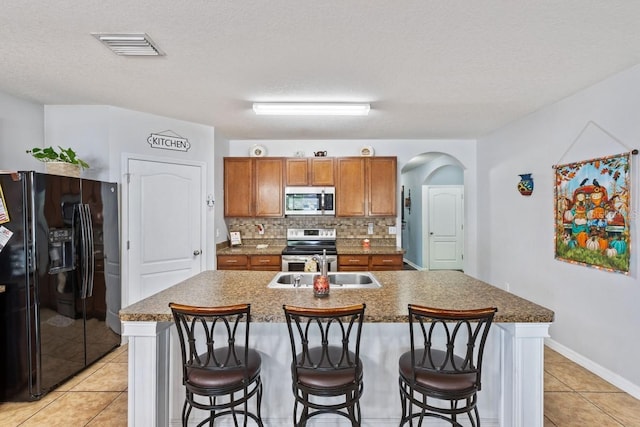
441 373
219 370
326 369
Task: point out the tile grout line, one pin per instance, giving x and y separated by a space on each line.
600 407
105 408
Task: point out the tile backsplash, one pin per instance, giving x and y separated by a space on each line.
347 229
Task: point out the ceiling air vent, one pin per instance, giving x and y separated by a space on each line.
134 44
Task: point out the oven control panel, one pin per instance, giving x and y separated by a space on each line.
311 233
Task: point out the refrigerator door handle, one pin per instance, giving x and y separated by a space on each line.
78 227
91 260
84 261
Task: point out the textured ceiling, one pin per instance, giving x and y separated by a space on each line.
431 69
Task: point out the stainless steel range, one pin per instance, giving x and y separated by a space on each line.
304 243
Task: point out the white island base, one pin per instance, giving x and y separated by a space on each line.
512 376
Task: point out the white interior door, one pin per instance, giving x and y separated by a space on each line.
445 227
164 240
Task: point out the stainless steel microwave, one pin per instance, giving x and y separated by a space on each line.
310 201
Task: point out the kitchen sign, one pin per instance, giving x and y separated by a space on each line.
169 142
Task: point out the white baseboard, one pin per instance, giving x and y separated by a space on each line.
417 267
327 421
615 379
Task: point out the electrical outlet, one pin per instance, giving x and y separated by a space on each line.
370 228
392 230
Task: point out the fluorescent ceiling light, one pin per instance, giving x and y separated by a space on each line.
310 109
132 44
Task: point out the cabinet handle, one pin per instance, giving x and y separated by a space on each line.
231 261
265 261
387 260
354 260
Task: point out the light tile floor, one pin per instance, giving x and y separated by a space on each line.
95 397
573 396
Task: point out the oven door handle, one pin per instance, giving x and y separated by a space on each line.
294 258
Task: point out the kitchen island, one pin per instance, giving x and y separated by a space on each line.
512 393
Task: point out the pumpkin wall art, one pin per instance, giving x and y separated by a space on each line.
592 212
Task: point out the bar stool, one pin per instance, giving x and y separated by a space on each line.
441 373
326 369
219 372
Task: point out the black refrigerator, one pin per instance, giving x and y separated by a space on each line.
60 272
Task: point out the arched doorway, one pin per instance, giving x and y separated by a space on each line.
426 171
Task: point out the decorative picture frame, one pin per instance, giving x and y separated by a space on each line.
592 213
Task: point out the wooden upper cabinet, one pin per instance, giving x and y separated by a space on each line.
366 186
269 186
297 170
318 171
253 187
350 188
381 179
322 171
238 186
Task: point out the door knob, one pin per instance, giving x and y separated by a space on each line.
197 252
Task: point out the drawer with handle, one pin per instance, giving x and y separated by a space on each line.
353 262
265 262
233 262
386 262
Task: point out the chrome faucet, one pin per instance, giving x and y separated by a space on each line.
296 280
322 261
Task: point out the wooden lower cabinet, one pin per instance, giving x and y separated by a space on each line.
385 262
265 262
369 262
345 262
232 262
353 262
250 262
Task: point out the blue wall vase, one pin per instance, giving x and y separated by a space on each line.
525 186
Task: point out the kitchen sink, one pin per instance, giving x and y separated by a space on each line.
337 280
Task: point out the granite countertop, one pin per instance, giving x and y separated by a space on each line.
251 250
373 250
342 250
441 289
